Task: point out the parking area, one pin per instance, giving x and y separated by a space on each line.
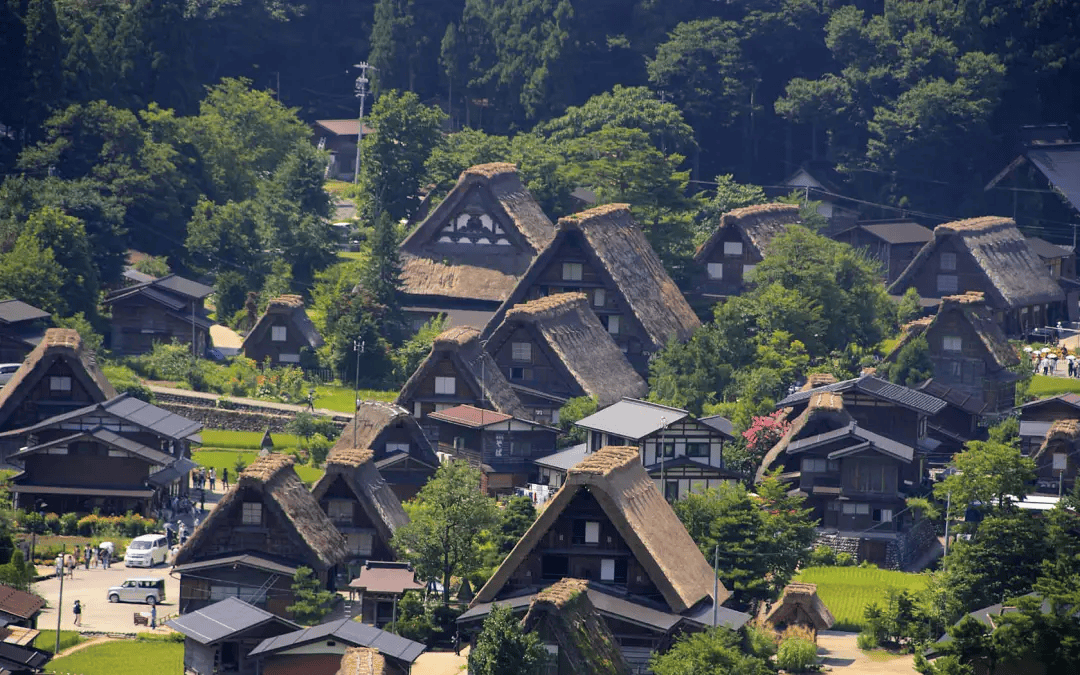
90 587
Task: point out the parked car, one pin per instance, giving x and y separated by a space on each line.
7 370
147 551
150 590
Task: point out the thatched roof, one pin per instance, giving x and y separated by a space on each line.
1061 431
564 615
758 224
614 243
372 418
578 342
362 661
273 478
432 266
357 468
58 344
826 408
800 605
292 308
474 365
1015 276
815 380
646 522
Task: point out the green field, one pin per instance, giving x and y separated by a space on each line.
244 440
47 640
124 657
847 590
219 459
334 397
1043 386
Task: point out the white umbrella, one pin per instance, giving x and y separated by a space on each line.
1045 350
1052 356
1028 349
1071 357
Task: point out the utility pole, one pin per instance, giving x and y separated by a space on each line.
663 456
60 604
361 93
716 586
948 514
358 347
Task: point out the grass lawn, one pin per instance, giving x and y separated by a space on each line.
888 345
352 256
123 657
847 590
336 187
219 459
244 440
339 398
47 640
1043 386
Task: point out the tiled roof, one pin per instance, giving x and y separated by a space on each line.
19 603
470 416
875 386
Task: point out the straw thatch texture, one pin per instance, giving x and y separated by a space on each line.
362 661
800 605
1015 275
825 408
759 225
431 268
975 312
576 340
564 615
357 468
273 478
58 344
1060 432
372 418
462 345
292 308
615 477
815 380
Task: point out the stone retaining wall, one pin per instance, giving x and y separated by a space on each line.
899 553
234 417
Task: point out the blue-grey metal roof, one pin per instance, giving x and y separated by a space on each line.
728 618
562 461
16 311
183 286
138 277
720 423
1036 429
875 386
352 632
632 419
133 410
173 472
1060 163
222 620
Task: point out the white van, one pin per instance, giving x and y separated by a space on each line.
147 551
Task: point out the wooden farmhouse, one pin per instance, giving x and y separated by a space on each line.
467 256
1056 458
400 450
892 243
21 329
322 650
609 526
283 335
682 455
218 638
457 372
1060 261
502 446
554 349
116 456
603 253
856 482
162 310
339 138
991 256
724 263
819 181
250 546
361 506
1036 418
58 376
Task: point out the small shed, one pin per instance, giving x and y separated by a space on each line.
219 637
380 586
800 605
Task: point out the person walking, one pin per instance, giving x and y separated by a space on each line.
77 611
86 556
105 558
95 561
225 479
153 616
213 478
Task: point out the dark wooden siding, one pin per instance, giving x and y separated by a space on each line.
137 324
261 346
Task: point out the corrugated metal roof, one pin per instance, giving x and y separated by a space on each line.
899 232
1047 250
1035 429
632 419
222 619
183 286
352 632
562 461
869 384
1061 166
720 423
16 311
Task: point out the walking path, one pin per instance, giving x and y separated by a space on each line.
840 654
83 645
211 399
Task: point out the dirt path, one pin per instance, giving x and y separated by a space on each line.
840 654
83 645
440 663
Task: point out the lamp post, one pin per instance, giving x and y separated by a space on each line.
361 93
358 347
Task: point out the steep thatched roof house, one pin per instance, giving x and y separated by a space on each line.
988 255
576 636
470 252
401 451
855 481
800 605
739 242
360 504
554 348
264 528
1055 460
457 372
283 333
58 376
21 329
603 253
609 525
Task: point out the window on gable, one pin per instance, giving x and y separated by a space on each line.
278 333
947 283
716 270
60 383
252 514
445 385
948 262
732 248
599 298
1061 461
952 343
521 351
613 325
592 532
571 271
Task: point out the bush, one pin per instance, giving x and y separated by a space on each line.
52 523
88 525
135 389
866 640
318 448
844 559
867 565
761 640
822 556
796 654
69 523
33 522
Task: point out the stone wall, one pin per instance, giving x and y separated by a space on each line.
900 552
233 416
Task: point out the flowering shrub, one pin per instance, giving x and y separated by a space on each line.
763 434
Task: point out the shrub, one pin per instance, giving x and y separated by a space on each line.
318 448
844 559
761 640
88 525
866 640
823 556
52 523
69 523
135 389
33 522
796 654
867 565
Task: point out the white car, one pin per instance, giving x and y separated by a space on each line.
146 551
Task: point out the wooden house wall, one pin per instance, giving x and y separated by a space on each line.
42 403
138 323
199 658
966 369
261 346
683 433
541 372
87 464
893 258
356 521
429 401
197 589
1050 410
969 276
13 348
1047 479
733 281
885 417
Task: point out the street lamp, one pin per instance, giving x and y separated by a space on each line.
361 93
358 347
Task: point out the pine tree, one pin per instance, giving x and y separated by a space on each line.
44 60
312 600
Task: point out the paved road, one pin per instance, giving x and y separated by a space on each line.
839 653
99 615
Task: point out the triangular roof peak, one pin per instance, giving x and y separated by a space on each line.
491 170
759 223
617 214
356 466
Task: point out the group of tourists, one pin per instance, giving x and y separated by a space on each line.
207 478
1046 362
88 556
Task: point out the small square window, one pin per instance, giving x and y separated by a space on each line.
517 373
592 532
948 262
947 283
288 358
716 270
252 513
952 343
277 333
668 449
697 449
392 448
521 351
613 325
571 271
599 298
445 385
732 248
1061 461
61 383
607 569
747 270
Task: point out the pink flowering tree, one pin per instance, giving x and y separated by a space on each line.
763 434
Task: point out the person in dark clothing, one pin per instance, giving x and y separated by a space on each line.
225 479
77 610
